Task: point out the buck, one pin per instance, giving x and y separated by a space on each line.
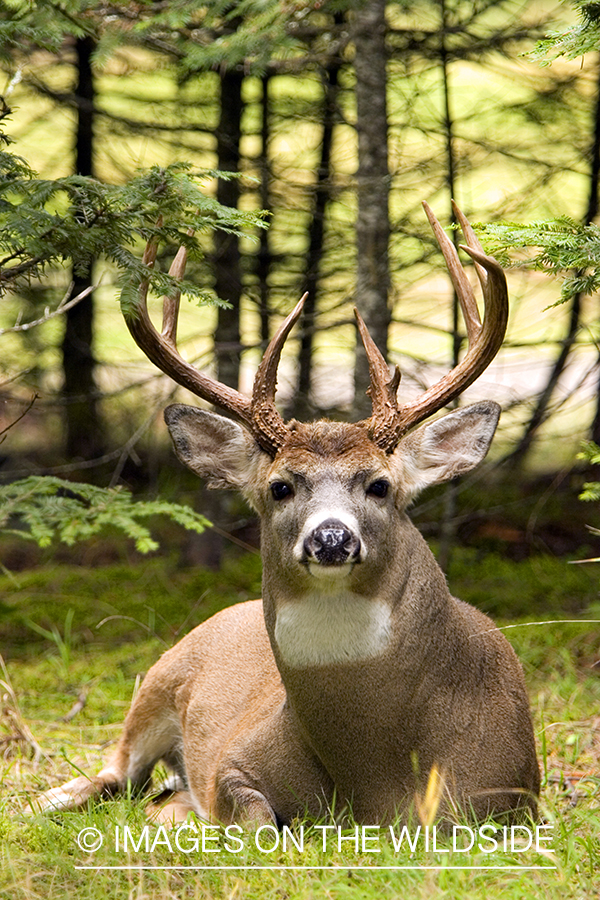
359 677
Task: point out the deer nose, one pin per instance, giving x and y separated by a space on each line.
332 543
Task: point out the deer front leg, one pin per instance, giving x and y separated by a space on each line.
236 800
262 772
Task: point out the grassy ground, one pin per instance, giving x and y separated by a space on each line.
56 655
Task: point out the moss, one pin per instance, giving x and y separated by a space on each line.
118 603
538 585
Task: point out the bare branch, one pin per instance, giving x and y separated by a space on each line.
64 305
18 419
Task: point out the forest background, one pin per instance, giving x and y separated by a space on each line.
337 120
130 121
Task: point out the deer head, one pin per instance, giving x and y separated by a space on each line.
332 496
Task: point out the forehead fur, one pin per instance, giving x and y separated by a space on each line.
328 440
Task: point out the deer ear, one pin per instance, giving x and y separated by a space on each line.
447 447
213 447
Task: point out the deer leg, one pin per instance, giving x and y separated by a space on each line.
236 800
173 810
151 732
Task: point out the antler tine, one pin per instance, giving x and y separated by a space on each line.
484 345
171 302
162 351
267 423
389 420
471 239
458 276
383 390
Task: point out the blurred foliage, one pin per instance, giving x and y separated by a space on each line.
581 38
120 602
590 452
43 509
539 585
76 218
557 247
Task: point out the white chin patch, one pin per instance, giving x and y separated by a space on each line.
330 573
327 628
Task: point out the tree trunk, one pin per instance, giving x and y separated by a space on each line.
372 226
592 213
263 260
303 408
83 427
207 549
228 269
540 413
448 519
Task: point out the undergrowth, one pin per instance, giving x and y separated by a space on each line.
68 683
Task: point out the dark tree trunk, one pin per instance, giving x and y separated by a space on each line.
448 520
540 412
263 261
372 226
83 428
592 213
228 269
207 549
303 407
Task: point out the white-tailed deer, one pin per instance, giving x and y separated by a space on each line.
358 674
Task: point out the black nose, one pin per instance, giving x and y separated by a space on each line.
332 543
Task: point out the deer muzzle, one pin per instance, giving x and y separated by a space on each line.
332 543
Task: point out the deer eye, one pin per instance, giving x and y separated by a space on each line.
378 488
280 490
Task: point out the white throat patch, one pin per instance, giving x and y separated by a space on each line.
324 628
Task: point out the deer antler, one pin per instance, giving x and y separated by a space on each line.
266 420
259 414
389 421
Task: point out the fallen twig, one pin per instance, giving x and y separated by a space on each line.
77 706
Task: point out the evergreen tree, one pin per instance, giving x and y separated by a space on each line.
564 246
44 224
293 125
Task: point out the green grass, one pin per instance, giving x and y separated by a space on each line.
117 602
46 673
541 585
